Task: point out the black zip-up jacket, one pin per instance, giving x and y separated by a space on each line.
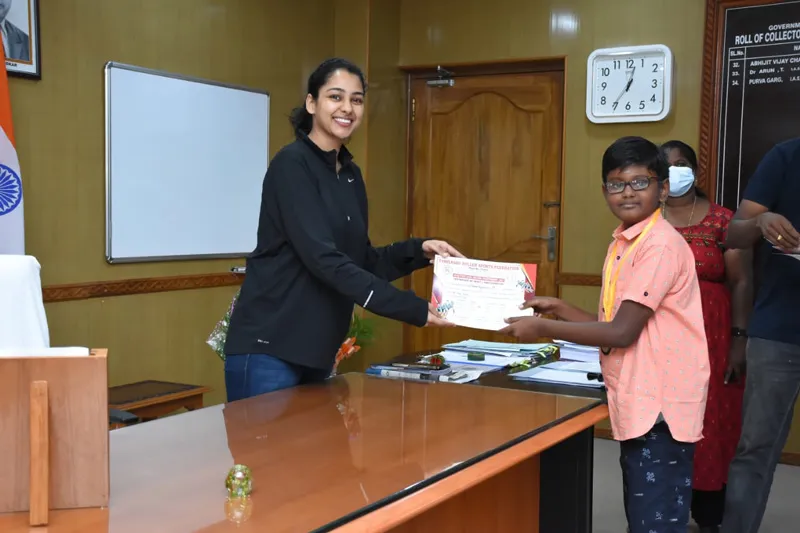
313 261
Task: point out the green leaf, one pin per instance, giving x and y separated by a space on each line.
363 329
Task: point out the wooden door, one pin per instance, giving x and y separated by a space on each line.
485 175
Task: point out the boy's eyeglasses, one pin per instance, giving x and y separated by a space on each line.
637 184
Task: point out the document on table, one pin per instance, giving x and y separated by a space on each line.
574 366
497 361
455 373
578 352
561 377
495 348
481 294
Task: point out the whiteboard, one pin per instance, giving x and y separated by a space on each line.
185 161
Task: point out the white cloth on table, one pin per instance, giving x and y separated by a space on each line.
23 322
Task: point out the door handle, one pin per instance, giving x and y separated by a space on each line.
551 236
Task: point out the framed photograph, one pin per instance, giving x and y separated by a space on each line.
19 25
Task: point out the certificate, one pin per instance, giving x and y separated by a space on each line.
481 294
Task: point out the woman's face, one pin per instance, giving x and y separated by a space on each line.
675 158
339 108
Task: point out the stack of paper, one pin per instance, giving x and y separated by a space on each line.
456 373
505 349
561 377
496 354
578 352
498 361
578 366
574 366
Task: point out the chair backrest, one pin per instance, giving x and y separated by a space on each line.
23 322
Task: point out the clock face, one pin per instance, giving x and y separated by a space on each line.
629 86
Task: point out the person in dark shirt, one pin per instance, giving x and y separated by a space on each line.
767 218
313 259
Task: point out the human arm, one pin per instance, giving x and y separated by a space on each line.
657 268
543 305
395 260
621 332
754 221
402 258
739 277
298 208
754 218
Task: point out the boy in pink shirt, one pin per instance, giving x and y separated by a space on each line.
654 354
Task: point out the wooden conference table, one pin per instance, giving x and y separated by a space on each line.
357 454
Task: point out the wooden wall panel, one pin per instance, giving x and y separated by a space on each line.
127 287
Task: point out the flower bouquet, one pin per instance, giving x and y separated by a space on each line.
220 332
361 330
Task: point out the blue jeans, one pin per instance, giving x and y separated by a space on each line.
252 374
657 481
770 393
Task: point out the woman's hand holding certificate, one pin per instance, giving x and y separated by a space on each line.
435 319
432 248
481 294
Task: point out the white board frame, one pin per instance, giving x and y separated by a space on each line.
108 162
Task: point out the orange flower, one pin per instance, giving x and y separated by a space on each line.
348 348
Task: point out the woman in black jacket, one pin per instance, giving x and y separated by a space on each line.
313 259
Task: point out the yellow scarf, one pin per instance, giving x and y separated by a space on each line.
609 282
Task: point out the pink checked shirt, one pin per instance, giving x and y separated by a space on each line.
666 370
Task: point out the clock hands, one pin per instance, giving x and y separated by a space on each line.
630 80
627 86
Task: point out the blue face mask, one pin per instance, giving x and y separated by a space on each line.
681 180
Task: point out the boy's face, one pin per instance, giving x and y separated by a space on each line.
630 205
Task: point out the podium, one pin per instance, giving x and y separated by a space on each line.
53 432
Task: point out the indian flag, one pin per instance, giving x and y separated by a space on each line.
12 222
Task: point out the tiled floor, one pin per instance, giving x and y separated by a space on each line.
609 517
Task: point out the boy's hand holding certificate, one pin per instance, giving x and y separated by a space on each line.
481 294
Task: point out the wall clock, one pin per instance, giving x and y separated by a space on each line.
629 84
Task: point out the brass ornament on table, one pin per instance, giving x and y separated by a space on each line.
239 481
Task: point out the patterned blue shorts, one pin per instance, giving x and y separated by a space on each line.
657 481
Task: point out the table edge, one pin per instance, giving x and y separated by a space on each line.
395 513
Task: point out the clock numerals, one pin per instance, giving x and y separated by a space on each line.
627 86
629 63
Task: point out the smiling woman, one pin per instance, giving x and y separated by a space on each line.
334 105
313 259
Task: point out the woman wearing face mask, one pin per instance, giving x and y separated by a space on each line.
726 292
